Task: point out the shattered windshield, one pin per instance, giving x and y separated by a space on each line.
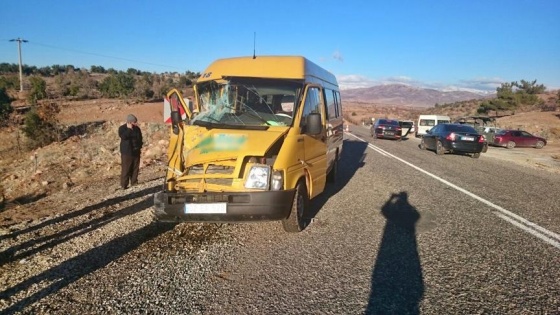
247 102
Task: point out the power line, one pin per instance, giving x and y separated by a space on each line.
19 41
101 55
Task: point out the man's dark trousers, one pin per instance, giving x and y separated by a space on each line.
129 170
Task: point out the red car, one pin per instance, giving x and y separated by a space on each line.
518 138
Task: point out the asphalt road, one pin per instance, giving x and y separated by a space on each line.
403 231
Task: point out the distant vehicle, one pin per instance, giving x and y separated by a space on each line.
426 122
407 127
387 129
517 138
488 132
453 138
484 125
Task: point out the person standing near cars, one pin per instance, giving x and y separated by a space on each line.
131 144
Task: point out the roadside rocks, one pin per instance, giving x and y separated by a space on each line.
50 265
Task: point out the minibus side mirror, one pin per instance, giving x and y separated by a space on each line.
314 124
175 120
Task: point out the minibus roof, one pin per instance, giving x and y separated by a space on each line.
273 67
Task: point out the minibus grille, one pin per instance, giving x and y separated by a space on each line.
211 169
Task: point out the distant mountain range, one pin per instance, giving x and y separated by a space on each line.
404 95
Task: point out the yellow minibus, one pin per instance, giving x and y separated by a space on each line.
262 139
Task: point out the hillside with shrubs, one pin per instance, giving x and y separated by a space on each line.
47 90
524 105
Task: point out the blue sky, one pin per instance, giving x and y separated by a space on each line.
458 44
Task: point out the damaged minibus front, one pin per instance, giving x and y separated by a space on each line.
263 138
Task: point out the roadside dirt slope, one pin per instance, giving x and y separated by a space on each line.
85 167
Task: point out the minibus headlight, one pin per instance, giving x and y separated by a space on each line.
257 177
277 181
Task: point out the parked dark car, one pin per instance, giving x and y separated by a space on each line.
518 138
453 138
387 129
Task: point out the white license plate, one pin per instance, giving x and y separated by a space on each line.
389 133
467 138
197 208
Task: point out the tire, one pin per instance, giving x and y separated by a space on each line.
295 221
439 148
485 148
539 145
422 144
333 174
510 145
476 155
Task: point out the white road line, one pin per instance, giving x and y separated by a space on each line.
518 221
550 241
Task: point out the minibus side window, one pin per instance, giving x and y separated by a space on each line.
312 103
331 104
338 104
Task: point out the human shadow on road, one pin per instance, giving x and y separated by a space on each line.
397 284
351 159
75 268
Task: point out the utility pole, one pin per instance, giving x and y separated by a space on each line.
19 40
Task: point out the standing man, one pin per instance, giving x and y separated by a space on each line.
131 143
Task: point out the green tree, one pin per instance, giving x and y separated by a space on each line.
44 71
9 82
117 85
8 68
132 71
38 89
191 75
530 87
512 95
505 91
5 106
97 69
143 87
38 129
184 81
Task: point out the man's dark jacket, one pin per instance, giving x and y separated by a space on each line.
131 140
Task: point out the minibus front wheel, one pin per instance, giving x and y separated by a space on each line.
295 222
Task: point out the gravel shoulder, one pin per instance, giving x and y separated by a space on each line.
91 248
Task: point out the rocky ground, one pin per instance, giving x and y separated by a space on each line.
66 218
47 181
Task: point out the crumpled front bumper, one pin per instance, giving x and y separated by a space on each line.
239 206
